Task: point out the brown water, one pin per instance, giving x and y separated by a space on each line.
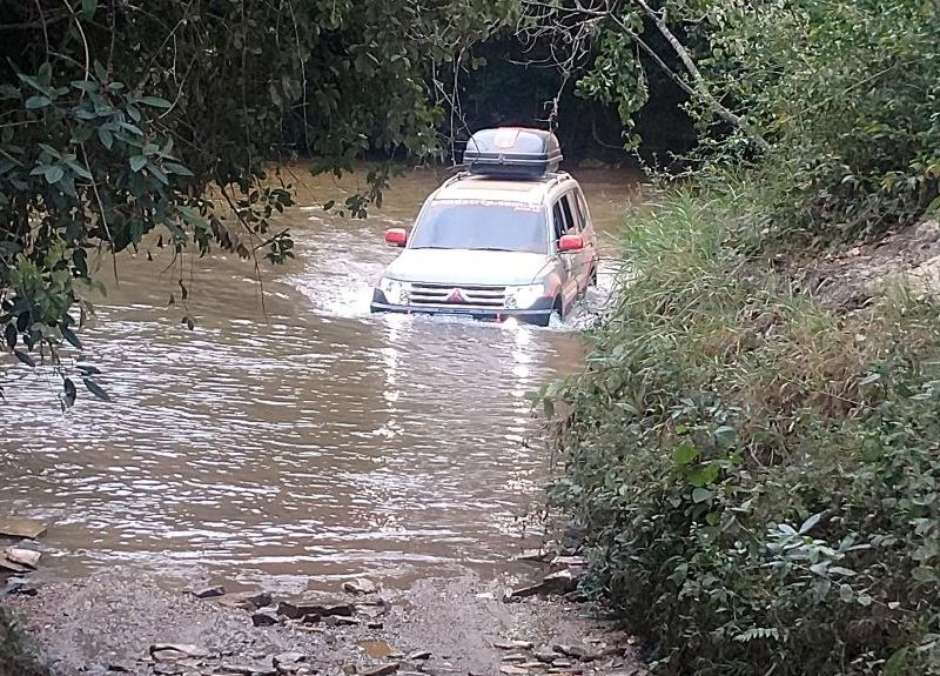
296 445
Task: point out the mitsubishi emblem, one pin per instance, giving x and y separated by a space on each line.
456 296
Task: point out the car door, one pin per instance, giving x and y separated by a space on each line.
580 260
563 224
589 255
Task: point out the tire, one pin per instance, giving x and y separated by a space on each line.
593 278
546 320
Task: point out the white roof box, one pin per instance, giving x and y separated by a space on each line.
512 152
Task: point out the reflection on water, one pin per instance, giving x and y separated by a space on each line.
301 443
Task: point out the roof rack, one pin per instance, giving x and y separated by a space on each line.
513 152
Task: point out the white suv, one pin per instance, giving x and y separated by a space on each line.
494 247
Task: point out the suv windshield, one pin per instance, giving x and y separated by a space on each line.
485 226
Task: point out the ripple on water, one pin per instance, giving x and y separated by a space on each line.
307 444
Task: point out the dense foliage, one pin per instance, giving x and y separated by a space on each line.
840 101
116 118
757 475
17 658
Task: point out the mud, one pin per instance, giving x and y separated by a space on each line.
110 620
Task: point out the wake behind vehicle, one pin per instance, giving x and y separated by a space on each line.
510 237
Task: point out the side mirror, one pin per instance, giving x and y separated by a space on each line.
570 243
396 237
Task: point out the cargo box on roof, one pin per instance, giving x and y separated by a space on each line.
512 152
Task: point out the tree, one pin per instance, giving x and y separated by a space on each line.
118 118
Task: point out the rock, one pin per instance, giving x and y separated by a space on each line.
562 582
288 663
247 669
377 649
18 586
545 654
562 562
382 670
15 527
513 645
246 600
375 625
534 555
928 231
324 607
512 670
208 592
418 655
339 621
24 557
264 618
576 651
360 586
515 657
6 564
562 664
176 651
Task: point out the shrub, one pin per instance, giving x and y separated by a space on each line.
757 477
16 657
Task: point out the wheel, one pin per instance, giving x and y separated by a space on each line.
593 280
546 320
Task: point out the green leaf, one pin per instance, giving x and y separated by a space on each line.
53 173
34 83
155 102
704 475
864 600
70 393
839 570
176 168
25 358
138 162
106 137
10 333
701 495
38 102
846 594
79 170
89 7
95 389
70 336
684 454
88 369
810 523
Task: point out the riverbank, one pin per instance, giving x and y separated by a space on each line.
753 448
120 621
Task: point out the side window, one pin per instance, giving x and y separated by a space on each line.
571 226
582 209
558 221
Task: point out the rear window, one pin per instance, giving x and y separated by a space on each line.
482 226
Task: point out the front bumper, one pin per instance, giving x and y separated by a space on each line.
536 314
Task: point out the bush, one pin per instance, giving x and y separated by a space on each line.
758 478
16 658
848 93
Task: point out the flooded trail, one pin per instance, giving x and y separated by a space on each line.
297 445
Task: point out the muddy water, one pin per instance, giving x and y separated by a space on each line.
298 443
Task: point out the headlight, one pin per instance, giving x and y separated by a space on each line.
396 292
523 296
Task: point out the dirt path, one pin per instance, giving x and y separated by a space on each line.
110 622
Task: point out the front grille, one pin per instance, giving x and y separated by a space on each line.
444 294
